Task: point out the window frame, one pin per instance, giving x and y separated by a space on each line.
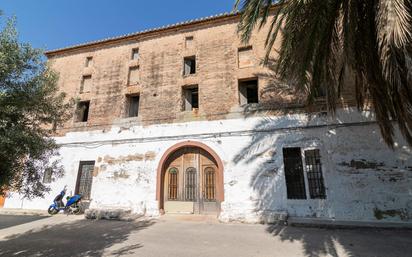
242 91
188 101
192 58
129 97
135 50
77 117
323 164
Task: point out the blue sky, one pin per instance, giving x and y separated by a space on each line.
51 24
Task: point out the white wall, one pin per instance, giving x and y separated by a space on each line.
364 179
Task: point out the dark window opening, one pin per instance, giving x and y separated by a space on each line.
89 61
189 65
191 98
295 181
133 105
82 111
47 176
135 54
248 92
85 179
314 174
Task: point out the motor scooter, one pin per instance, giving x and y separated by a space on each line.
72 205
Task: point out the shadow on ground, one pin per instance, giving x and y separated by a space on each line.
7 221
360 242
80 238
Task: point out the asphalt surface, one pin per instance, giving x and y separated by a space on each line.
183 237
14 220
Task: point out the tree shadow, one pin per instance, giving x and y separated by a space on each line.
362 242
262 155
79 238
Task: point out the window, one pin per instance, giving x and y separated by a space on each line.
209 184
173 178
86 84
190 184
189 41
89 62
245 57
296 181
189 65
133 105
248 92
190 98
133 77
47 176
85 179
135 54
82 111
314 174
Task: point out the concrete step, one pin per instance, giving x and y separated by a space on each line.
329 223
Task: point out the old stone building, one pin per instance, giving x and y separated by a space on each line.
184 119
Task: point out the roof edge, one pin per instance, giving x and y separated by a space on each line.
54 52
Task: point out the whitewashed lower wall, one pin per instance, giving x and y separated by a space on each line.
365 180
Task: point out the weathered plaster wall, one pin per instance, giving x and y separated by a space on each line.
364 179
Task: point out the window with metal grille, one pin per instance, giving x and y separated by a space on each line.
173 178
295 181
85 179
47 176
209 184
190 184
314 174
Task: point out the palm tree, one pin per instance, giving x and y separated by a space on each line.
325 40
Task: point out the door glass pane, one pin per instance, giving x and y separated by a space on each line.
190 184
173 175
209 184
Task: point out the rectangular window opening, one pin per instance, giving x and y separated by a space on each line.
86 84
191 98
314 174
134 76
248 92
133 105
47 176
135 54
189 65
82 111
85 179
89 62
189 41
245 57
295 180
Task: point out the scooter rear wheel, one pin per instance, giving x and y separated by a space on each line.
52 211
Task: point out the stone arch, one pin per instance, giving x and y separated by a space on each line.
161 169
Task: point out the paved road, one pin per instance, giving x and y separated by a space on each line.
171 236
13 220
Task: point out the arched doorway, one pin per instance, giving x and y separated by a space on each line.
190 179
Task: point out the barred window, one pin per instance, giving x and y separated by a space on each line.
47 176
190 184
209 184
314 174
173 178
296 181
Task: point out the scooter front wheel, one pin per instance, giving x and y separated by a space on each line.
52 211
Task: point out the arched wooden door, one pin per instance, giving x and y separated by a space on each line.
190 182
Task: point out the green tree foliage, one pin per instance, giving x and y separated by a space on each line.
30 109
325 41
